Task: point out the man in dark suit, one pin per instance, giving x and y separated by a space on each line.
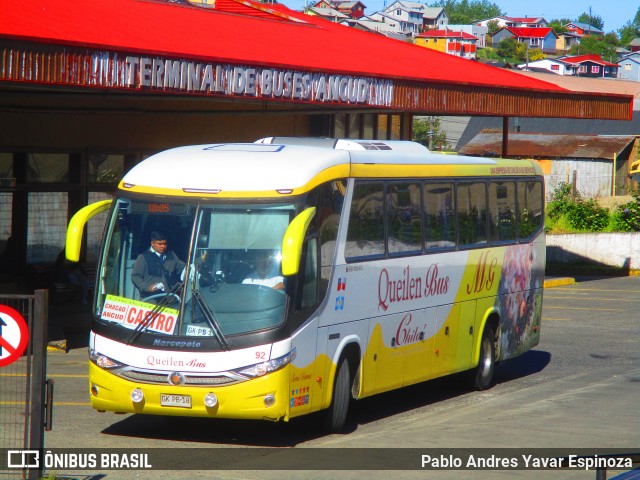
157 269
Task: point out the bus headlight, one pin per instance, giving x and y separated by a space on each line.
260 369
210 400
136 395
103 361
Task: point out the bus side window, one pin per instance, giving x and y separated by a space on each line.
404 218
530 208
365 233
439 216
502 209
472 213
330 208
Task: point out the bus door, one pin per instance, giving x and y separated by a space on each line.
452 348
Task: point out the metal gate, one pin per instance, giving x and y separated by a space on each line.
25 393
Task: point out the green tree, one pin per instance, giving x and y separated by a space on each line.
630 30
558 25
593 44
428 131
507 48
590 19
493 26
465 12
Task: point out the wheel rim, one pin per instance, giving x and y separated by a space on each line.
487 358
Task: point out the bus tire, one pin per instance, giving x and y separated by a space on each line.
482 375
336 415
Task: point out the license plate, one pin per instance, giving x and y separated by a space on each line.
194 331
168 400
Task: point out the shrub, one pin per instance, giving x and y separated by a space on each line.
588 215
561 201
626 218
580 214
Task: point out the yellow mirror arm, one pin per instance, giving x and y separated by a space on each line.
292 241
76 227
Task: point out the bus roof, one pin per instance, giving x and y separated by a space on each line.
283 166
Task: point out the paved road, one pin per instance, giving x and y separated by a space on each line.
578 388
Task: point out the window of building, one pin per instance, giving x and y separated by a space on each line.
46 225
105 168
555 67
582 69
6 166
595 69
48 167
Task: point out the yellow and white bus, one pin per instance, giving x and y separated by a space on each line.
397 266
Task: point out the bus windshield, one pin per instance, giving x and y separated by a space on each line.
216 273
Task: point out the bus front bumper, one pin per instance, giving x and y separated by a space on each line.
262 398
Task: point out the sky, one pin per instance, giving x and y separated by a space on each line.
614 13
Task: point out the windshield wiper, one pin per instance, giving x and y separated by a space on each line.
211 318
150 317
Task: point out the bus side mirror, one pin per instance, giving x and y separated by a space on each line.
76 227
292 241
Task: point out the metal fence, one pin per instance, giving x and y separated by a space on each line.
25 394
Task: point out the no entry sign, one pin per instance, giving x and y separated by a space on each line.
14 335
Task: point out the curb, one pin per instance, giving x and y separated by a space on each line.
559 282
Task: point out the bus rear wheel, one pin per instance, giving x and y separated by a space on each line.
482 375
336 416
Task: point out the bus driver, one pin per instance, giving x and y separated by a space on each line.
157 269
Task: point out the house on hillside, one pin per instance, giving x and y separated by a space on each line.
327 13
460 44
529 22
349 9
543 38
629 67
634 45
477 31
590 66
581 66
550 65
583 29
434 17
408 16
594 160
387 27
566 41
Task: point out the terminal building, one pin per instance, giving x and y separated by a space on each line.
88 89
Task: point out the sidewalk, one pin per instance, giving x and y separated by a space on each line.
553 281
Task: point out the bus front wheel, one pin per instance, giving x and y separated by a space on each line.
482 375
336 416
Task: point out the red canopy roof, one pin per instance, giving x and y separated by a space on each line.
243 32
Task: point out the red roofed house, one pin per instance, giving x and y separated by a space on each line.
350 9
543 38
503 21
461 44
590 66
